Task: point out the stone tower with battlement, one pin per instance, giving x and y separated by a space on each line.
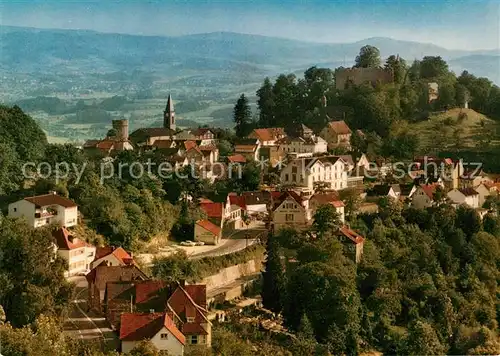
169 115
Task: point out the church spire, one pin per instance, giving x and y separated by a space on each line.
169 114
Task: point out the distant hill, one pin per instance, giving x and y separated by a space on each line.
70 51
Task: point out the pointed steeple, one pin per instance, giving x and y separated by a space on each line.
169 114
170 104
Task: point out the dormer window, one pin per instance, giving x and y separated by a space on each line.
190 319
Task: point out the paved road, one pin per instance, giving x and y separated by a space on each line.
87 325
234 243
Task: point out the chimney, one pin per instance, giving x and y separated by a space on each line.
182 282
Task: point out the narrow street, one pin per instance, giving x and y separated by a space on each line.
87 325
235 242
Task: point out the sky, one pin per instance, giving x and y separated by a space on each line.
454 24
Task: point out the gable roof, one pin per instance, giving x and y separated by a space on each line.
201 131
140 326
339 127
50 199
152 132
245 148
468 192
351 235
325 198
197 292
209 226
101 275
213 210
237 158
288 195
120 254
347 159
268 134
256 198
164 144
429 189
65 241
178 305
238 200
120 290
147 290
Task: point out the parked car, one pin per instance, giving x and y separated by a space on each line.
83 273
188 243
199 243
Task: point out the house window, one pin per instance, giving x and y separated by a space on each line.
193 339
289 217
294 177
15 209
286 177
164 336
190 319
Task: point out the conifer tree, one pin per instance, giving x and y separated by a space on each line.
242 116
273 287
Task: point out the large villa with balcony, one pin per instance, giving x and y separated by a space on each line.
45 209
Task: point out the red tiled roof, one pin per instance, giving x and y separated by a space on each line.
287 194
140 326
148 289
201 131
468 192
352 235
337 204
205 200
209 148
245 148
106 145
238 200
213 210
237 158
429 189
101 275
119 253
50 199
163 143
340 127
198 292
209 226
65 241
325 198
193 329
269 134
189 144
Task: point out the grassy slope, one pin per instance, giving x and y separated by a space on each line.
444 131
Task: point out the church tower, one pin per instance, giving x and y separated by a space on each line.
169 115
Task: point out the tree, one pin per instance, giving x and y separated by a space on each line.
423 340
265 103
305 343
273 282
224 147
242 115
352 200
491 224
31 276
468 220
144 348
432 67
398 67
369 56
326 220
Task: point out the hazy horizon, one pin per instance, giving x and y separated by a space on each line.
441 23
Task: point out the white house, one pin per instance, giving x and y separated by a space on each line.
423 196
76 252
291 211
484 190
313 144
45 209
304 172
158 328
468 196
207 232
